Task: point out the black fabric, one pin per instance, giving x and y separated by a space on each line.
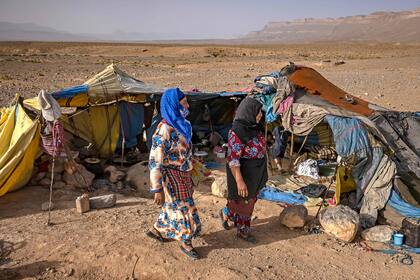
245 125
312 190
254 173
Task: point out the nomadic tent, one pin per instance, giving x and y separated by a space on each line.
109 110
374 144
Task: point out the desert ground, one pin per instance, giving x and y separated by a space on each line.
110 243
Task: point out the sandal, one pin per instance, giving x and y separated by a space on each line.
193 254
155 236
225 223
248 238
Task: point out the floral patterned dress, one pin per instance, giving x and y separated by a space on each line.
239 210
170 165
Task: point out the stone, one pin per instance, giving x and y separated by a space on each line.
58 166
294 216
138 175
44 206
59 185
102 184
57 176
70 167
46 182
115 174
39 176
103 201
381 233
341 222
219 187
82 178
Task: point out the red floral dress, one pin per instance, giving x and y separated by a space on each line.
255 148
240 211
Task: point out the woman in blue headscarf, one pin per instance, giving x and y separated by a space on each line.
170 165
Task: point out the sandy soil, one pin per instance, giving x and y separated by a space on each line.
105 244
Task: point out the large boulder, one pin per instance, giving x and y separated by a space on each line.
82 178
103 201
378 234
138 175
115 174
294 216
219 187
341 222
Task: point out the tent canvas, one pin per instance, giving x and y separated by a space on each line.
305 99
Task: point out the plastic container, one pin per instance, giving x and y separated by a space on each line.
398 239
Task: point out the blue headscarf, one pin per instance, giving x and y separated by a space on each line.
170 109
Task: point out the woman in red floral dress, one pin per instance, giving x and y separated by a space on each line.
246 167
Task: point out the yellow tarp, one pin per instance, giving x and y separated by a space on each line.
98 125
19 146
345 182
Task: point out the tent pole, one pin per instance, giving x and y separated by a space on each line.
51 190
303 144
291 153
267 154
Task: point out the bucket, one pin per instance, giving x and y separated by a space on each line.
398 239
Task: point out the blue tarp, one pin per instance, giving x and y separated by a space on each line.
402 207
70 92
276 195
132 118
350 135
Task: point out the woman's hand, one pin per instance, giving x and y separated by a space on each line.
159 199
242 188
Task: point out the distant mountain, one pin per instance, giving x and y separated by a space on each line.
120 35
379 26
34 32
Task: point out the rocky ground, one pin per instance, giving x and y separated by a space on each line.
110 243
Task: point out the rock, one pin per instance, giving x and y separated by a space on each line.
102 184
70 272
294 216
70 168
39 176
45 182
115 174
81 178
59 185
57 176
341 222
138 175
44 206
378 234
219 187
103 201
58 166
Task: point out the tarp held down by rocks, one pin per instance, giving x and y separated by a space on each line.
375 142
107 108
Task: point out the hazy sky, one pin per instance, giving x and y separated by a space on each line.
209 19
